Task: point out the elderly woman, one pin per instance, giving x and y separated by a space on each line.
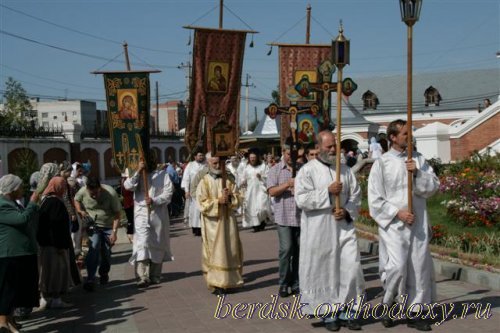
18 259
55 241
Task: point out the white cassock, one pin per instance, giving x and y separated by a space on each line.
234 172
191 210
404 257
329 263
257 206
152 231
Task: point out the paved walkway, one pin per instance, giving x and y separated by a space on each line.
181 303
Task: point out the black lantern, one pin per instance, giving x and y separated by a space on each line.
410 11
340 49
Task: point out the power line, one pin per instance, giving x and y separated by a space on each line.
47 79
86 33
68 50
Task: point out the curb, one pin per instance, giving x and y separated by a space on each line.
447 269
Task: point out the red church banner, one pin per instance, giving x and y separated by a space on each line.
296 63
215 89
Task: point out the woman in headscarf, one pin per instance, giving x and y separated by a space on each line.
18 259
54 239
65 169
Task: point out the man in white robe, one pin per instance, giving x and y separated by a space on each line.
257 209
329 261
151 245
233 167
406 266
191 210
222 254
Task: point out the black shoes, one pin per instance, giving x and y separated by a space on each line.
333 326
89 286
419 324
295 291
104 279
283 292
351 324
387 321
218 291
260 227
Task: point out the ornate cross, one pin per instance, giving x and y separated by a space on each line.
324 87
293 110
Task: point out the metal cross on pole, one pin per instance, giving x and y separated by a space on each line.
274 110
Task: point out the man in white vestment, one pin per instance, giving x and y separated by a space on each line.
233 167
257 208
151 245
375 149
191 211
406 266
329 261
222 254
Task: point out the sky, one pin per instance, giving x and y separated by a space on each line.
51 46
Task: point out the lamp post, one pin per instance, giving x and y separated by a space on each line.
410 12
340 55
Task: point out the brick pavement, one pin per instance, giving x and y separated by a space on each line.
181 303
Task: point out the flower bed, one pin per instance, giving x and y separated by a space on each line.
464 214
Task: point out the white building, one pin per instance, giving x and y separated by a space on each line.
55 113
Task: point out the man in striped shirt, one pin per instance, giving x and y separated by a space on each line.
280 186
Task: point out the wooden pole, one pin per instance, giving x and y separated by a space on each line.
127 61
146 183
221 13
409 122
338 127
308 25
246 104
225 207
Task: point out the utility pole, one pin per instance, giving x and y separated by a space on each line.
247 85
157 127
186 67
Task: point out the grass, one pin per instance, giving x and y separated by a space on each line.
438 216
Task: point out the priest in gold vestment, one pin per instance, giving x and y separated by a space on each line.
222 254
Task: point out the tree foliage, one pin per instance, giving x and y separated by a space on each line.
17 107
275 95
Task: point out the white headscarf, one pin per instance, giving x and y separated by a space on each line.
47 171
9 183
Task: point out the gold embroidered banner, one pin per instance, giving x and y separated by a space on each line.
296 63
128 101
215 89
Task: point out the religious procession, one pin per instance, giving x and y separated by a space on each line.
245 231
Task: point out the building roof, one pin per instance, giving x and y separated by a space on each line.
267 128
458 89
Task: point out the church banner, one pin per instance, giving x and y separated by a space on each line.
296 63
215 89
128 100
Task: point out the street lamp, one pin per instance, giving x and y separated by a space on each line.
340 57
410 12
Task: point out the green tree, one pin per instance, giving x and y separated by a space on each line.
275 94
17 106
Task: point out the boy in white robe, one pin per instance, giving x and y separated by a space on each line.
151 246
406 266
257 209
191 210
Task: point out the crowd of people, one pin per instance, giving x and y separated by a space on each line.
41 238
